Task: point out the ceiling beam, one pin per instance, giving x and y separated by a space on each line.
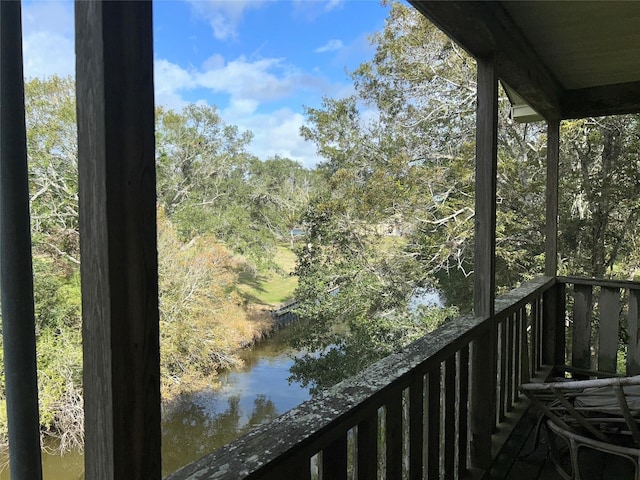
615 99
485 28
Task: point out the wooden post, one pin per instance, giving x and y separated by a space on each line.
551 240
114 74
16 277
553 325
553 334
483 374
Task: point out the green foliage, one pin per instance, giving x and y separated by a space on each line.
53 167
209 184
206 181
59 353
405 168
203 322
280 191
57 295
362 342
600 188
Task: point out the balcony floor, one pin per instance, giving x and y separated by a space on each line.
520 461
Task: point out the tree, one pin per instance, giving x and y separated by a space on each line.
209 184
399 158
600 192
280 191
50 113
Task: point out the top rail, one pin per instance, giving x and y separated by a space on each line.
514 300
600 282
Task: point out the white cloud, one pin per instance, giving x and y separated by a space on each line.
170 80
248 85
223 16
312 9
332 4
263 80
239 108
330 46
48 39
278 133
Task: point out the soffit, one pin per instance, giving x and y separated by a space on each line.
584 44
565 59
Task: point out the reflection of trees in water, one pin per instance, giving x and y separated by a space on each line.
190 432
276 345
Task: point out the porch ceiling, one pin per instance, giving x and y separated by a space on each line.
565 59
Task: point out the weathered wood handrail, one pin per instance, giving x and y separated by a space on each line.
413 403
518 316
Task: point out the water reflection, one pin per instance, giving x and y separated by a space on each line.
196 424
191 431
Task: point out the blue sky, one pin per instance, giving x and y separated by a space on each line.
258 61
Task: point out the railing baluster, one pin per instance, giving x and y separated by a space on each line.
433 423
535 340
609 325
463 408
302 470
367 448
553 328
510 358
393 436
633 349
582 311
502 361
334 460
416 427
517 320
298 468
449 417
524 348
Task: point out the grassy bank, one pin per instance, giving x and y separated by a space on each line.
271 288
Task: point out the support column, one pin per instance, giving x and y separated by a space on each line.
551 240
553 331
117 192
16 276
483 361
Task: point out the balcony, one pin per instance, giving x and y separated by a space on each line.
413 414
445 406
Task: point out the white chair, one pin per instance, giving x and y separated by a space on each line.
602 414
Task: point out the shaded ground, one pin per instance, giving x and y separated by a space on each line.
271 288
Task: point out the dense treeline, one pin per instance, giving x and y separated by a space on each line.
399 158
221 214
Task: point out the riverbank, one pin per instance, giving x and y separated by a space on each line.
198 422
195 350
212 309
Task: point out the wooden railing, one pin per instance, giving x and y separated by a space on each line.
520 345
405 416
602 324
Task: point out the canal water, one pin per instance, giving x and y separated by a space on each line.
198 423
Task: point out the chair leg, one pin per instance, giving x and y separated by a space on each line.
573 447
554 451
